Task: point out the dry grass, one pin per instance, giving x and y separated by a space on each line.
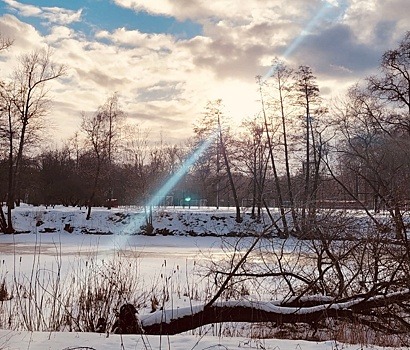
44 300
56 299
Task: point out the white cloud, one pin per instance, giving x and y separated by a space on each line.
25 36
24 9
241 13
60 15
52 14
165 82
163 7
134 38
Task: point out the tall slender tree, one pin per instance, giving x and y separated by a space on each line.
282 81
268 131
254 157
210 125
114 116
307 97
102 130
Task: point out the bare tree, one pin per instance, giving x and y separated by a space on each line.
392 85
350 274
374 157
269 130
282 85
5 43
308 99
374 129
102 131
115 117
95 129
253 156
212 124
135 153
24 105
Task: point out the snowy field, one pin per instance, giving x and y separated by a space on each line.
89 341
48 250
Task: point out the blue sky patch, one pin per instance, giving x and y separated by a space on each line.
105 15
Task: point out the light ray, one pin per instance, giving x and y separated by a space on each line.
306 30
156 199
174 179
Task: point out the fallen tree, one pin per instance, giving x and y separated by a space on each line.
366 309
324 281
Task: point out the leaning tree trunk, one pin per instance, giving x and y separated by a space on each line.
285 232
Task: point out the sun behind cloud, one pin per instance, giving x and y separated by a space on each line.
164 79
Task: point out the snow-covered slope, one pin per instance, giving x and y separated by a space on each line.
166 221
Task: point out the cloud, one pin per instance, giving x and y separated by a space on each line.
24 9
335 51
137 39
378 22
100 77
238 41
165 81
204 10
60 15
162 91
155 77
25 36
52 14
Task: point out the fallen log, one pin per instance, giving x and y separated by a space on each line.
180 320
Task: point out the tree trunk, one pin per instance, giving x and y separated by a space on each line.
11 179
3 222
275 173
231 182
286 150
306 191
96 180
359 309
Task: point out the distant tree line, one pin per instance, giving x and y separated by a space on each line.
298 152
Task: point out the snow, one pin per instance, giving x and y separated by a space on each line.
67 341
128 220
155 254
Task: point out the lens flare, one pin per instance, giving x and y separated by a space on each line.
156 199
174 179
135 225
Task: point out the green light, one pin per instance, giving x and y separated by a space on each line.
187 199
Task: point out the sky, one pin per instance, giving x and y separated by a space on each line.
166 59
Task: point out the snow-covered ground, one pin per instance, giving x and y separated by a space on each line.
128 220
88 341
46 246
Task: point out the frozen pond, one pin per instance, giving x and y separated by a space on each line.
22 252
